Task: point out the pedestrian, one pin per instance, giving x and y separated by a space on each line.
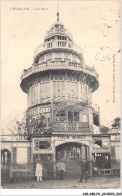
58 170
38 173
62 169
94 168
84 171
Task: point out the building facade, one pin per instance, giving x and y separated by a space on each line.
59 89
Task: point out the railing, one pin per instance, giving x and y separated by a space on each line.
28 70
59 65
21 167
106 172
50 169
28 170
71 126
13 137
58 44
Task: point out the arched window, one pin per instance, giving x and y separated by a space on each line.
61 116
70 116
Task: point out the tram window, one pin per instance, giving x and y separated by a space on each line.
70 116
76 116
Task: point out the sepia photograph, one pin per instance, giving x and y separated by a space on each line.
60 95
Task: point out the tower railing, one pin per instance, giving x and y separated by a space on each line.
58 44
59 65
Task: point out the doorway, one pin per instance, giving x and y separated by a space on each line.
72 154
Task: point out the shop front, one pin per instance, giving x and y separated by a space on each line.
72 149
69 148
101 155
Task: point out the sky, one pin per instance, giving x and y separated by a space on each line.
95 27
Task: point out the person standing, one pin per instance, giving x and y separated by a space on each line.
38 173
94 169
58 170
84 171
62 169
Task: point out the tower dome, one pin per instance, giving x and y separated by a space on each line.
58 29
58 38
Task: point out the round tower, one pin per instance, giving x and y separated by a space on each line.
58 84
59 88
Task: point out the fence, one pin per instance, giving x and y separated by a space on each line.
20 172
28 170
50 169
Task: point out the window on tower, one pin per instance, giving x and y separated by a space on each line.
35 91
58 88
48 57
58 55
70 116
44 90
41 59
67 56
76 116
47 89
42 96
61 116
73 116
62 89
72 89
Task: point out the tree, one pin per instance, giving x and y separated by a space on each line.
13 126
38 126
25 127
116 123
18 126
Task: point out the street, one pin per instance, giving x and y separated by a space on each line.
101 182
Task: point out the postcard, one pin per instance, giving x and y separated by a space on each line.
60 97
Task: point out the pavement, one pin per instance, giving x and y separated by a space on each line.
99 182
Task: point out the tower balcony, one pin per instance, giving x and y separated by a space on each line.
71 127
59 66
56 45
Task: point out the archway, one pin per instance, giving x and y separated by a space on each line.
73 154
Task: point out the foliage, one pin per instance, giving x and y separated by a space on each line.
19 127
116 123
38 126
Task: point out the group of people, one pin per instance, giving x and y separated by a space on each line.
61 167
